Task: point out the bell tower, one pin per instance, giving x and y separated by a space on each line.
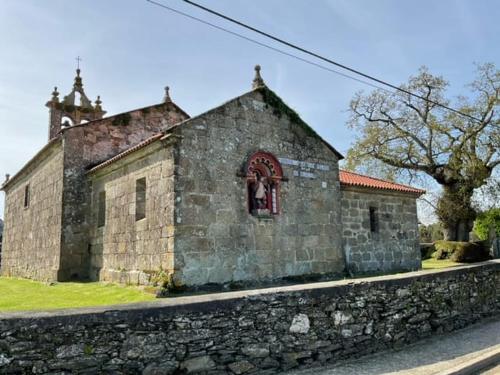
74 109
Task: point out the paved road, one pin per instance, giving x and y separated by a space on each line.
491 371
426 357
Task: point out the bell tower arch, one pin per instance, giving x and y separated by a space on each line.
74 109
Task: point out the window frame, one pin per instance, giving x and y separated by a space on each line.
374 219
140 200
27 196
101 209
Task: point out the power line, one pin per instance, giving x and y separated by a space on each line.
303 50
264 45
298 57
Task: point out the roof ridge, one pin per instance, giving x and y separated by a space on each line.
380 179
377 183
125 112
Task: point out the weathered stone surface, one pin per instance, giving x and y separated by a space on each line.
256 350
300 324
32 235
240 367
341 317
249 331
126 250
4 360
49 240
211 195
198 364
197 228
394 245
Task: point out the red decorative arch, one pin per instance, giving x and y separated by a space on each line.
261 159
264 166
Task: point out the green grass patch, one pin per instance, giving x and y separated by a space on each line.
433 264
21 294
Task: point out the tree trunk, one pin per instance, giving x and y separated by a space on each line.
455 211
457 231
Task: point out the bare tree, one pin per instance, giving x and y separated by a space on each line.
421 137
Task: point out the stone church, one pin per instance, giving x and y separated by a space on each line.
246 191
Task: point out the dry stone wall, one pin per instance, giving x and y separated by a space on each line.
127 250
217 240
252 332
394 245
32 234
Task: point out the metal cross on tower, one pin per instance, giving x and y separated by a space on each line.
78 59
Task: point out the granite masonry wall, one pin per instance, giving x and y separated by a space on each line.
87 145
393 244
260 331
32 234
216 239
124 249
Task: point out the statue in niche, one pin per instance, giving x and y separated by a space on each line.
264 174
260 192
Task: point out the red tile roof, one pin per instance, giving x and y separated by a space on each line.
354 179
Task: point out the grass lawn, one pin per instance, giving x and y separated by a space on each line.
20 294
432 264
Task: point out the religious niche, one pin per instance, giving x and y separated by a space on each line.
264 175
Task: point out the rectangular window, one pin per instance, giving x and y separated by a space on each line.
373 220
26 196
140 199
101 213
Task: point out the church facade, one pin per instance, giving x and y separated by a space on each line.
244 192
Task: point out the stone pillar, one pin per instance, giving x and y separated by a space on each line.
55 115
494 242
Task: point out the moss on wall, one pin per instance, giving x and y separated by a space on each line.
122 119
280 109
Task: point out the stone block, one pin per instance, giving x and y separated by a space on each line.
198 364
300 324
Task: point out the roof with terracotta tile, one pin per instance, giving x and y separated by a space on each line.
348 178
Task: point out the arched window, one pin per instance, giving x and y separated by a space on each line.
264 175
67 121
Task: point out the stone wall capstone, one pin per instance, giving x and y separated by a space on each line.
259 331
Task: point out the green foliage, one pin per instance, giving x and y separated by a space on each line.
20 294
88 349
281 109
433 264
121 119
466 252
426 250
164 283
430 233
486 219
162 279
419 138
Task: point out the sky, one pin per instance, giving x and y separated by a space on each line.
131 49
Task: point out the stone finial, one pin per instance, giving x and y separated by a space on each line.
167 98
78 80
98 103
7 177
257 81
55 95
